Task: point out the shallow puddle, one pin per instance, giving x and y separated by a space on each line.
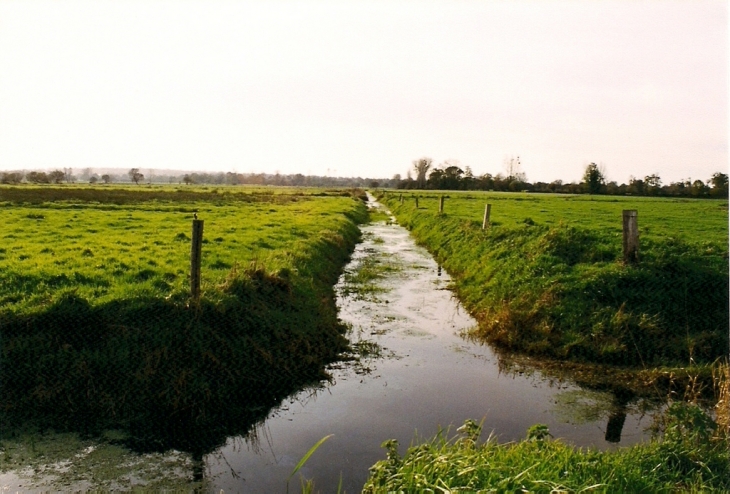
417 376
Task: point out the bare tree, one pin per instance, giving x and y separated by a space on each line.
513 167
56 176
422 166
38 177
11 177
135 175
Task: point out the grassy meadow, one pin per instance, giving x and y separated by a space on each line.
547 277
102 251
98 330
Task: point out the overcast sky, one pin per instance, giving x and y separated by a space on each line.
364 88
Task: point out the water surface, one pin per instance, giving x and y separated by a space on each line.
426 377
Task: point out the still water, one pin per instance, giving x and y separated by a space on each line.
421 376
414 374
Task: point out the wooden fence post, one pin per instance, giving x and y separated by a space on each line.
487 212
441 204
416 202
631 236
195 257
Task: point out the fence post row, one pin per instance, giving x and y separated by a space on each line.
487 212
631 236
195 257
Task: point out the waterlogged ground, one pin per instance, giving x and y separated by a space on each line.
412 374
41 463
416 374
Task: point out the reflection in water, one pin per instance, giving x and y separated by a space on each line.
148 421
420 376
621 399
132 456
198 467
413 372
602 393
615 425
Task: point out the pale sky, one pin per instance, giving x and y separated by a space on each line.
364 88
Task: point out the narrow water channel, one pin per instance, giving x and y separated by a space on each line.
416 374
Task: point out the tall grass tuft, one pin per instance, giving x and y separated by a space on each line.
684 460
721 375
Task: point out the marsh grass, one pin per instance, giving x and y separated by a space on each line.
109 339
365 281
689 451
721 375
69 463
377 215
685 458
556 287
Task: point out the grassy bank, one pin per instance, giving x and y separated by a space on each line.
688 452
547 279
98 331
690 457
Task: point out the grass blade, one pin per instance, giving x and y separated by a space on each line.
305 458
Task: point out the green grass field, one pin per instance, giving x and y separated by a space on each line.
103 251
96 318
547 277
704 223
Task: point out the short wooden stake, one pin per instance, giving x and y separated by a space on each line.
195 257
416 202
631 236
441 204
487 212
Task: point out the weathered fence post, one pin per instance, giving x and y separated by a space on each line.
195 256
441 204
400 198
631 236
487 212
416 202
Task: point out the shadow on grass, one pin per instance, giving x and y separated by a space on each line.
170 375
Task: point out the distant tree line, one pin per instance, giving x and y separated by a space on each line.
450 176
446 176
134 176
